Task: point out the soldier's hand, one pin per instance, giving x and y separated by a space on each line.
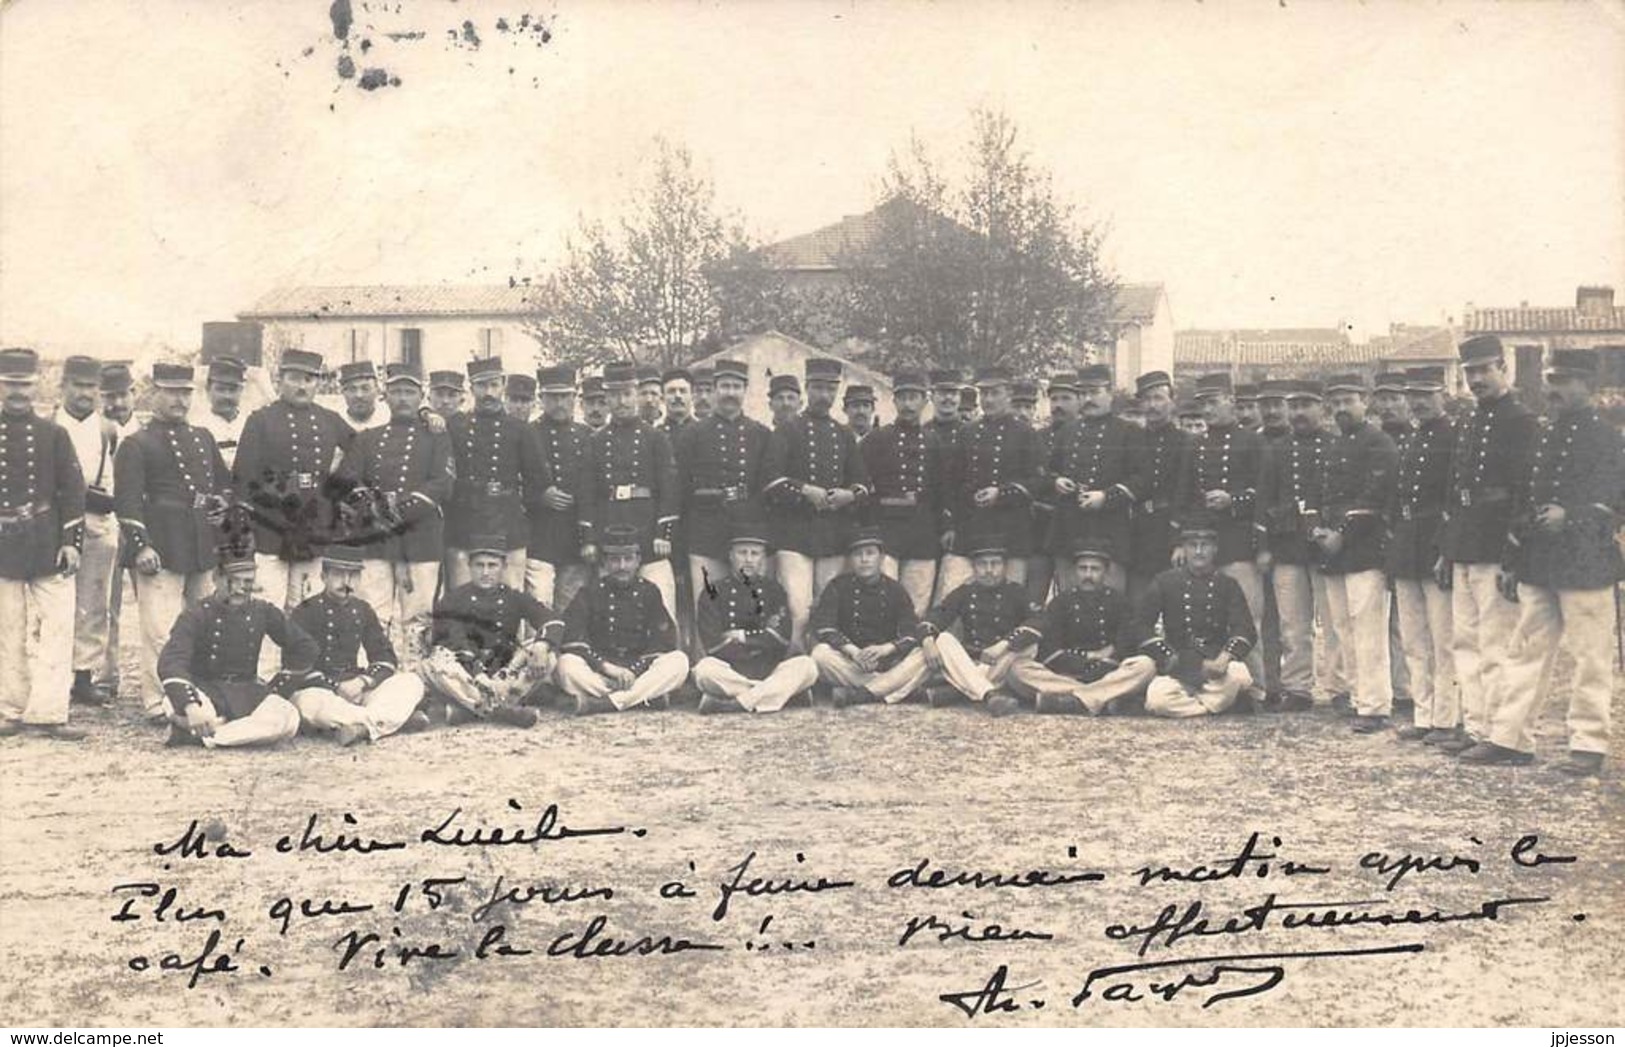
147 561
435 421
734 636
1507 582
198 720
840 498
1218 500
619 675
661 547
1178 556
67 559
986 497
1215 667
994 653
1091 501
1331 542
1550 517
557 500
1443 573
352 688
1264 559
1066 485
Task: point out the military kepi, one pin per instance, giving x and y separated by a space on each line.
172 376
19 365
1152 380
1573 363
1481 349
301 360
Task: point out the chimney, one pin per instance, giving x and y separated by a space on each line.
1594 301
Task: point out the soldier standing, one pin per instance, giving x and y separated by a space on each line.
629 479
519 397
816 484
1361 464
1275 428
118 407
946 426
784 399
677 392
705 387
1423 604
858 404
42 519
720 462
1166 449
1063 410
222 412
1493 450
1094 475
908 471
170 489
554 571
358 382
446 394
651 396
93 438
594 402
1389 403
1565 556
677 388
1249 415
1222 480
500 473
399 480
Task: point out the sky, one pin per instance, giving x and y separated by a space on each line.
1274 164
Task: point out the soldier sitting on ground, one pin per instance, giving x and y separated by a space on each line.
991 612
864 627
744 626
357 704
1084 664
620 644
208 665
479 662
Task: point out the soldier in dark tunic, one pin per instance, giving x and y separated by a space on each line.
594 402
864 631
784 399
1564 552
947 426
744 624
1416 519
1392 410
1039 569
446 395
1275 427
1249 415
519 397
1493 450
398 483
651 395
908 470
704 384
554 570
1151 547
42 520
677 389
858 404
209 664
816 487
1094 476
990 614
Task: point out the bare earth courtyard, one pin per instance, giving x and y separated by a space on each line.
880 788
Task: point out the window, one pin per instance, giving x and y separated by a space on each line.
490 342
412 346
356 348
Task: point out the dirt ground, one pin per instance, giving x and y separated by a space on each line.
859 794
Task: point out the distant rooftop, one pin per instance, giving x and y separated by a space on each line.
1594 310
384 300
1292 345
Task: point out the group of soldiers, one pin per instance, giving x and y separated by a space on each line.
432 553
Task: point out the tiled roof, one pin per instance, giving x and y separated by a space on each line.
827 247
384 300
1223 349
1437 344
1136 303
1525 320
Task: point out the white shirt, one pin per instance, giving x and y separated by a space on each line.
227 434
91 441
380 417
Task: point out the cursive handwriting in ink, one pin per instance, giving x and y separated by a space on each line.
1526 844
546 828
592 943
166 908
352 942
547 893
993 997
1396 869
1251 861
1267 967
311 840
967 931
758 887
195 844
205 962
284 910
920 874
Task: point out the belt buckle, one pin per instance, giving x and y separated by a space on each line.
622 493
1466 497
305 480
731 494
493 487
1405 512
1149 506
200 500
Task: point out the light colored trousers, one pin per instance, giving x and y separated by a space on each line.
274 720
93 599
956 570
1300 596
554 585
1132 676
1251 580
918 578
401 594
284 584
969 676
1582 622
1482 624
1397 661
1066 575
457 571
1424 637
1166 696
161 598
36 648
664 675
788 679
1359 604
381 709
804 578
890 685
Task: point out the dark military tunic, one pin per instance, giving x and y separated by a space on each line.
481 626
1416 517
865 613
812 449
756 605
908 470
1579 464
949 433
343 629
1043 511
1163 464
1493 449
500 473
555 535
986 615
1291 491
1003 453
1200 614
1360 471
720 467
282 474
629 479
215 648
623 623
42 497
1226 458
1079 621
399 478
164 479
1100 454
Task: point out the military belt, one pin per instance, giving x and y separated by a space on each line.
907 499
25 514
629 493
